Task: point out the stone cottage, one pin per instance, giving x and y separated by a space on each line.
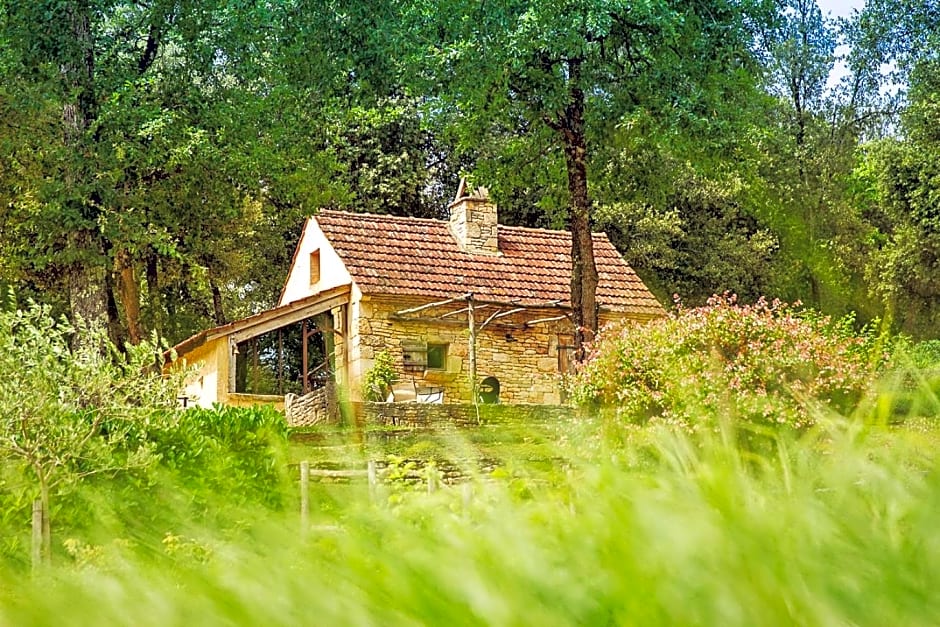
446 299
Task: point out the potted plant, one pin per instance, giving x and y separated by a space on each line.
380 377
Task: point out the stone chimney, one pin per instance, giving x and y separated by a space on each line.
473 221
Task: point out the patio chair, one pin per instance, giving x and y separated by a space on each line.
429 394
403 391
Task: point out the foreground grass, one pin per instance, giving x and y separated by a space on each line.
838 528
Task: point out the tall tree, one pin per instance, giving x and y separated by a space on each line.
899 188
574 70
808 135
158 136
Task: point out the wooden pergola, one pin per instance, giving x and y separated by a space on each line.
473 306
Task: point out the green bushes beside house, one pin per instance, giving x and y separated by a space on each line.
766 364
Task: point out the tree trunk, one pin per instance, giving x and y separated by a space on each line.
217 309
130 294
36 544
584 277
154 296
46 549
115 327
87 275
87 281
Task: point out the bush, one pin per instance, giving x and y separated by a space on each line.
379 378
97 433
222 468
72 408
926 355
239 452
762 363
914 389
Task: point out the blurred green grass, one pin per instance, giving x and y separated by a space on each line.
584 523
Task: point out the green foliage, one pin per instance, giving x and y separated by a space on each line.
70 404
71 408
378 380
914 387
683 229
898 187
97 435
223 467
235 451
183 164
763 364
926 355
717 155
837 529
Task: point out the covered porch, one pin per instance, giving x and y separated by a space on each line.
293 349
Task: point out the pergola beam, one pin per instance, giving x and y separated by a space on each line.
541 320
430 305
500 314
451 322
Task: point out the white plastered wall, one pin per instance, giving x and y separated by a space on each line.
333 272
207 384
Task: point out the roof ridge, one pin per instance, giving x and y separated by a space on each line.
544 230
389 216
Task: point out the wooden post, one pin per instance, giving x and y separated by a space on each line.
467 493
232 364
255 366
37 534
347 317
304 497
432 482
370 469
472 350
303 357
280 361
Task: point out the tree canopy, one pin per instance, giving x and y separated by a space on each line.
158 157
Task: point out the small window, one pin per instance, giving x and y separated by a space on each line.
437 357
315 267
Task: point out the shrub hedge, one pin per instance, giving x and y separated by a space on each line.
763 364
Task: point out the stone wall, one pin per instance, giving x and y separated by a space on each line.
317 407
524 360
418 415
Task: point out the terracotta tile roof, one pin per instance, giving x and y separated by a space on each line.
419 257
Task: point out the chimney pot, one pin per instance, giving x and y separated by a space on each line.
474 221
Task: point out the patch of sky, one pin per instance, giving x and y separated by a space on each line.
843 9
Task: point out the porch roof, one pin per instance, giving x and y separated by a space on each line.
268 320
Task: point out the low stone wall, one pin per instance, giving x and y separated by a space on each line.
422 415
317 407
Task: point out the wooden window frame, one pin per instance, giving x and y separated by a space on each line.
314 267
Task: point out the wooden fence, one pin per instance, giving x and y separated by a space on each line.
369 473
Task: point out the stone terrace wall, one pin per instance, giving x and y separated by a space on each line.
421 415
317 407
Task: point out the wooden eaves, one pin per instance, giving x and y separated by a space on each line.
269 320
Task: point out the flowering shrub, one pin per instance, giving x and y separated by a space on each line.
762 363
